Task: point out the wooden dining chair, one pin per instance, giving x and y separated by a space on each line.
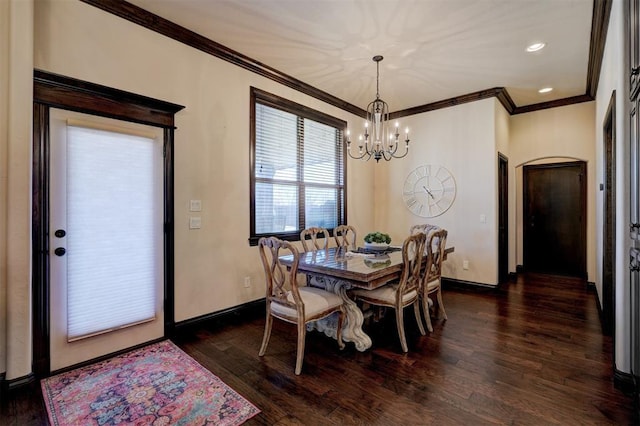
432 274
318 239
345 236
288 302
404 292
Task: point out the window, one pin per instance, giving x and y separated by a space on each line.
297 168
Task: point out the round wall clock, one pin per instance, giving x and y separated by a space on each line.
429 190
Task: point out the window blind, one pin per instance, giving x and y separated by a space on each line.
114 230
298 172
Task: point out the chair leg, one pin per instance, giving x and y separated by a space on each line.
425 311
339 330
302 330
378 313
400 324
267 334
416 311
441 311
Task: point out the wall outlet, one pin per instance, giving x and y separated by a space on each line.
247 282
465 264
195 205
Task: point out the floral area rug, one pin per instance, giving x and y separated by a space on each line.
155 385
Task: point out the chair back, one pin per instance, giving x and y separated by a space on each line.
318 239
280 281
345 236
412 252
435 246
425 228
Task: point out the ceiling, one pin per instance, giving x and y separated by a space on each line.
433 50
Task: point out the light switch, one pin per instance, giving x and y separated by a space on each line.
195 205
483 218
195 222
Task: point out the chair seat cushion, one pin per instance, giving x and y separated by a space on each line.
386 293
432 285
316 301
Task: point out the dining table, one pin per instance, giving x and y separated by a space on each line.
339 270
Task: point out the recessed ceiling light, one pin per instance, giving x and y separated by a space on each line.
535 47
545 90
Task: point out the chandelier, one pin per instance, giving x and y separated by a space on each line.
378 140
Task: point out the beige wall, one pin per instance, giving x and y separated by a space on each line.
211 141
463 140
613 78
503 121
4 118
551 135
17 253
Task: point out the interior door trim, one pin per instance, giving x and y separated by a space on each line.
609 220
52 90
503 218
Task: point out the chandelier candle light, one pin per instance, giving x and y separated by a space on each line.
378 142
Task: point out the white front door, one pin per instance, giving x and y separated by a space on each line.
105 236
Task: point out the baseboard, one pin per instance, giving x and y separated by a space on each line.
595 296
253 309
11 385
591 288
453 283
624 382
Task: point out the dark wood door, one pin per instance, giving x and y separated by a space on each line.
555 218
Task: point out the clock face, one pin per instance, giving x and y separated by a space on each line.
429 190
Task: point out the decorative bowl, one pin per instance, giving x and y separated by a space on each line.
376 246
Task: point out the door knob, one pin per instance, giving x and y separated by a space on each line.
60 251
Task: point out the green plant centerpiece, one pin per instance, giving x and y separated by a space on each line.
377 240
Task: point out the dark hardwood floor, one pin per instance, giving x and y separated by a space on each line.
530 353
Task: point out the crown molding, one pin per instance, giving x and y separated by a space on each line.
553 104
153 22
599 27
497 92
176 32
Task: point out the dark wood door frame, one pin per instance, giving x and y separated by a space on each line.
503 218
55 91
609 219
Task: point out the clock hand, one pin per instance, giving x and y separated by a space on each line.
428 192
